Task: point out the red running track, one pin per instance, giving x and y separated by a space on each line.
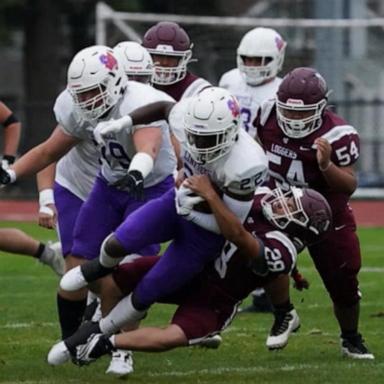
368 213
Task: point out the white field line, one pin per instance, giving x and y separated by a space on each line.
246 370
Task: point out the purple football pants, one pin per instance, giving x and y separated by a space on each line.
105 209
190 250
68 207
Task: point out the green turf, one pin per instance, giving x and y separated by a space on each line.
28 329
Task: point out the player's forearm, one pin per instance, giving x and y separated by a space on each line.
34 161
230 226
152 339
151 112
46 178
11 139
340 179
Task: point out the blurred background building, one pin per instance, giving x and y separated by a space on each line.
341 38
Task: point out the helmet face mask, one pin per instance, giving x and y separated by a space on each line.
136 61
303 213
266 45
301 101
307 118
95 81
170 40
211 124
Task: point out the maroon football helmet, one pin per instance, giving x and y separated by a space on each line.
168 39
301 99
301 212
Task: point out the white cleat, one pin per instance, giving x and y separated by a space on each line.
53 257
211 342
283 326
59 354
73 280
121 363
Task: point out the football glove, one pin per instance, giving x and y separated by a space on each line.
185 199
299 281
133 182
7 176
7 160
106 128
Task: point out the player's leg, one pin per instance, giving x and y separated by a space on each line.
70 307
13 240
154 222
115 287
286 319
338 261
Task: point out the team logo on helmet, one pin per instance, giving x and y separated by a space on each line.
233 106
279 43
108 60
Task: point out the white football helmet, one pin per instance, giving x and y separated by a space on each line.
264 43
96 81
136 61
211 124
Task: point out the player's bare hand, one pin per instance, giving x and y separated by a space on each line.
47 216
201 185
323 152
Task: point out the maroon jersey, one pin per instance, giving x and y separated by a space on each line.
232 272
187 87
293 161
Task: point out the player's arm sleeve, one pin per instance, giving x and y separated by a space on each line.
279 253
340 174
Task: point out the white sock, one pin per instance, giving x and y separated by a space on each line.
106 260
123 314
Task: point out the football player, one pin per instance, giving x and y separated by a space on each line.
254 254
135 167
309 145
11 239
213 144
260 58
171 51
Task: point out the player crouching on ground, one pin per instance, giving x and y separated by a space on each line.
256 252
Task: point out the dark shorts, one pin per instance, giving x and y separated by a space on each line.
338 261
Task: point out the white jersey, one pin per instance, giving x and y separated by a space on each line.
195 87
250 97
77 170
119 149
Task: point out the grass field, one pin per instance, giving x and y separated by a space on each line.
28 328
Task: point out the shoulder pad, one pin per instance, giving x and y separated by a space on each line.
246 167
280 252
195 87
